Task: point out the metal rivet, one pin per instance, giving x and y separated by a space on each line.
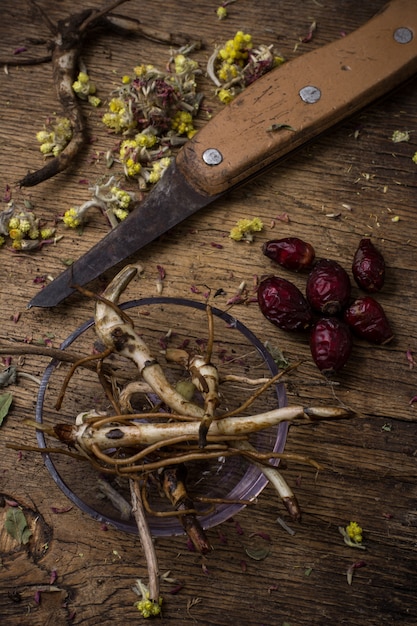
310 94
212 156
403 35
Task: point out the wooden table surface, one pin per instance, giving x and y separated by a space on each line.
352 182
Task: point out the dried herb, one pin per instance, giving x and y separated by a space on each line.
5 403
257 554
17 527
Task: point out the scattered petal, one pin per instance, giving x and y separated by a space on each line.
352 568
410 358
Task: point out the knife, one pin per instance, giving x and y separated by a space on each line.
269 120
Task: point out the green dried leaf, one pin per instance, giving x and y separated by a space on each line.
5 403
16 525
257 554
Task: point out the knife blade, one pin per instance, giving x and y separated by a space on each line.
266 123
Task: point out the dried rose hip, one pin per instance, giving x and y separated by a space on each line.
283 304
290 252
368 267
330 344
328 287
367 319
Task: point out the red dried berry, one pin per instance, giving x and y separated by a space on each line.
283 304
328 287
330 344
290 252
368 320
368 267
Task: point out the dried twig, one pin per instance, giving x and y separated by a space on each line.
146 539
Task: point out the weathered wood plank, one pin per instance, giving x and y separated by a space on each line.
354 173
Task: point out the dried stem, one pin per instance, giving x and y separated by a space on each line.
83 361
52 353
262 390
145 539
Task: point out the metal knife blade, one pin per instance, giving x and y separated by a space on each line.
274 116
160 211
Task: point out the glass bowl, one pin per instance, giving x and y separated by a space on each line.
180 323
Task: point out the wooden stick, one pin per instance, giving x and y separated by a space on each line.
145 539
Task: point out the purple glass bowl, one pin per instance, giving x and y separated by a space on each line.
232 478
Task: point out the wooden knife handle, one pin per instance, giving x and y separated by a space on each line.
341 78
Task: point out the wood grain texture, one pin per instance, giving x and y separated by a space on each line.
348 184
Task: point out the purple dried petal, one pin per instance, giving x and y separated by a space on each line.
176 589
40 280
351 569
284 217
7 194
410 359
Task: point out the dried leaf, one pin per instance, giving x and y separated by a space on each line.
16 525
257 554
5 403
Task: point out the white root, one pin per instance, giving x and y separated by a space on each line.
187 422
116 333
145 434
277 481
127 392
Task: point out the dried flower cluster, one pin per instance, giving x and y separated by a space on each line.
113 201
55 136
352 535
238 64
23 228
86 89
154 111
245 229
146 606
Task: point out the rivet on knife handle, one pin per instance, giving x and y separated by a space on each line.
303 98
